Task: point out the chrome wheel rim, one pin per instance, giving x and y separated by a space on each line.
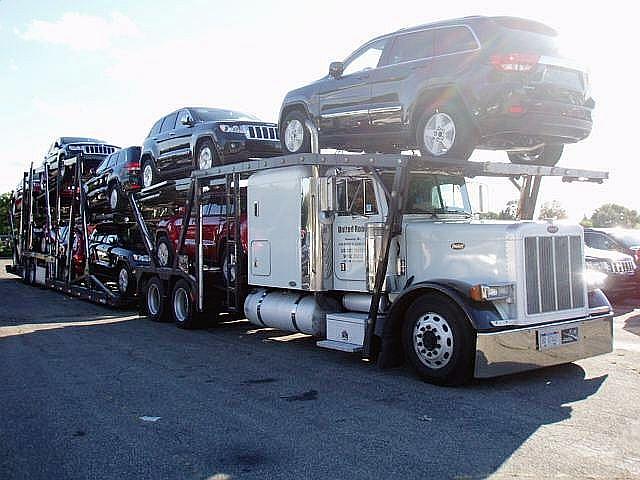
181 304
113 199
147 175
123 280
439 134
294 135
163 254
153 299
433 340
205 158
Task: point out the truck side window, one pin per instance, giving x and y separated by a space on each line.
356 197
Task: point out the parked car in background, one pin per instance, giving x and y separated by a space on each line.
93 151
626 240
446 88
214 231
200 138
619 269
115 177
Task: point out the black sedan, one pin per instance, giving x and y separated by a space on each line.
200 138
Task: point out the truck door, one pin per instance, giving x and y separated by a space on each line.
357 206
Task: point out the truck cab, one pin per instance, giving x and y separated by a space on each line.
460 297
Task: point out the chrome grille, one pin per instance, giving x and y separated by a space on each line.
553 273
623 266
258 132
98 149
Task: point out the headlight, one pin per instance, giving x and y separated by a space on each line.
231 128
599 265
503 291
75 147
141 258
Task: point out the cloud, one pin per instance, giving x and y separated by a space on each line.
81 32
13 66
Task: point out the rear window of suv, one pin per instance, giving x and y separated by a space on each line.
412 46
454 40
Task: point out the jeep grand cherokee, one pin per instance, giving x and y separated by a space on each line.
447 88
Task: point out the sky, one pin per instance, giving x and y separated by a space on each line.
110 69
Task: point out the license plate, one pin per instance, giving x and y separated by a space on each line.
553 337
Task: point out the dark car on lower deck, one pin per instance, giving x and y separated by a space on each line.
446 88
200 138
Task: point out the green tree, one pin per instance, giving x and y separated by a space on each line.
613 215
553 210
586 222
5 202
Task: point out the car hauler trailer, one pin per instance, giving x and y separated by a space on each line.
49 218
378 255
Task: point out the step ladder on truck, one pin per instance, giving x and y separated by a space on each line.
377 255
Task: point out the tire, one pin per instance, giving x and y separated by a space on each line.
164 251
228 271
149 172
26 272
548 155
294 136
183 308
155 301
206 155
431 319
116 199
125 283
445 132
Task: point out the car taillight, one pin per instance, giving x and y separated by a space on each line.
515 62
133 166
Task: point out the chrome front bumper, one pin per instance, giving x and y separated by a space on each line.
502 353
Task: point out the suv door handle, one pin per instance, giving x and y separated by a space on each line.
171 134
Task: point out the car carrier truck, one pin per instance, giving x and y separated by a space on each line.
380 255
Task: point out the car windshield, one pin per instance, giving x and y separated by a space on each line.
218 114
434 194
629 238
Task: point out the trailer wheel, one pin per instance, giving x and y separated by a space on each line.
438 341
155 301
183 308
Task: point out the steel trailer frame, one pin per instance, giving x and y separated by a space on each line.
86 286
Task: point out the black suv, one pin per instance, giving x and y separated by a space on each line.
117 175
625 240
115 251
447 88
201 138
66 147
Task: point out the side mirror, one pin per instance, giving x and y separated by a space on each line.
186 121
327 194
336 69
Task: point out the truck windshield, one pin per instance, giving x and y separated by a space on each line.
433 194
217 114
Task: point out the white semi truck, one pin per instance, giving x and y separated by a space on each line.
380 255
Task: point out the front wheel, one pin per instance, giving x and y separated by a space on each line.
547 155
124 280
115 198
445 132
164 252
206 155
438 341
295 136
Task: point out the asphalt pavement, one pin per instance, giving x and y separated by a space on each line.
88 392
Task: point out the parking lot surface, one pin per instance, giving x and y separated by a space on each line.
89 392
